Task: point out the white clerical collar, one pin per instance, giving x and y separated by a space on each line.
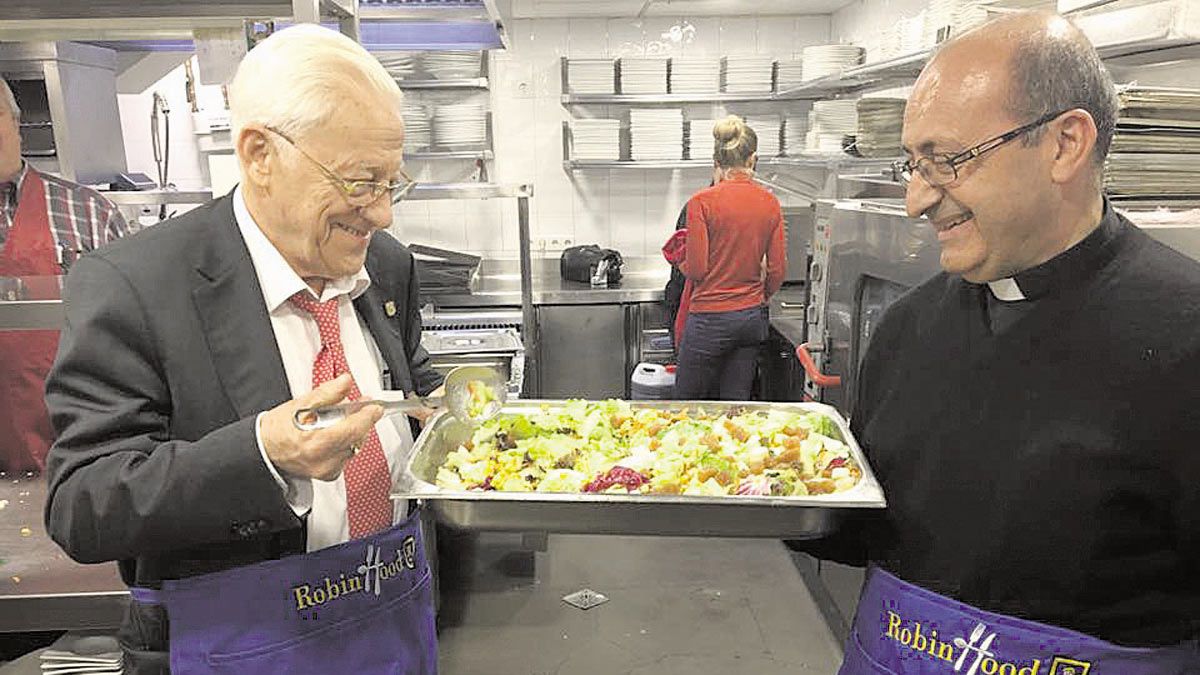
1006 290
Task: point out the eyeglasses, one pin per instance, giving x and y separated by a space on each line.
356 192
941 169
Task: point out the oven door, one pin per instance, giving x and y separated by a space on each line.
870 255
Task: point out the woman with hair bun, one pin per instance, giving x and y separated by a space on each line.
736 258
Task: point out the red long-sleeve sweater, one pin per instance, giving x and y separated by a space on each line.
732 226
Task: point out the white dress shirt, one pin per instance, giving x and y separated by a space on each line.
299 342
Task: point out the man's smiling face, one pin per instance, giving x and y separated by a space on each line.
988 219
324 236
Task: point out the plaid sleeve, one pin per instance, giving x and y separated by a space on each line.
113 226
101 218
81 218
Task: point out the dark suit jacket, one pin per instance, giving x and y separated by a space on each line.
165 360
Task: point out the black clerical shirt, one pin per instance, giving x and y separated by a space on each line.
1051 469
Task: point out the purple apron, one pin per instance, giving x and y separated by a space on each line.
364 607
902 629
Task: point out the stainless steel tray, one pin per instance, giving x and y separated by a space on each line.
667 515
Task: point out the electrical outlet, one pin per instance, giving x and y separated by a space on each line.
554 243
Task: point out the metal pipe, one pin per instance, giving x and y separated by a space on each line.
528 319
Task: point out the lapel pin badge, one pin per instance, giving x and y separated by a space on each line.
389 308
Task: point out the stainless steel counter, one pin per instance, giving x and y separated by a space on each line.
157 196
500 285
40 587
31 303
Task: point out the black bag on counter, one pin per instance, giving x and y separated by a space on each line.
579 263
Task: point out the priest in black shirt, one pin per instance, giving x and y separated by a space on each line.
1033 412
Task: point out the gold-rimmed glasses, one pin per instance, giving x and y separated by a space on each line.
357 192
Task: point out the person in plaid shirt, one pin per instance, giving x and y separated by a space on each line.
46 222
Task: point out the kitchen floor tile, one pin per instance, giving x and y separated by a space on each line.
676 605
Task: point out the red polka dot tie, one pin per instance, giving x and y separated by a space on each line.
368 481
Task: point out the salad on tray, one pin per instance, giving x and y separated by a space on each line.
611 447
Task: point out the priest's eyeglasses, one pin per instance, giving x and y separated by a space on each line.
357 192
941 168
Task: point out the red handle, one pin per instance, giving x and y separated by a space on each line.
810 368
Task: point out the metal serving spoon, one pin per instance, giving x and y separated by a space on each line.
462 385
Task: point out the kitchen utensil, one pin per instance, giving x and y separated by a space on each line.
458 400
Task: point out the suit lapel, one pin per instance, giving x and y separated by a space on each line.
236 325
370 306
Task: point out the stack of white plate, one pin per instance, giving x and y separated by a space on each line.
656 134
817 143
835 116
789 74
939 21
767 128
700 139
1152 175
418 133
596 139
695 76
643 76
451 65
825 60
460 124
879 123
795 127
968 15
400 65
591 76
828 123
911 33
747 74
884 44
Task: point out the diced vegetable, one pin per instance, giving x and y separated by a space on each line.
480 398
618 475
610 447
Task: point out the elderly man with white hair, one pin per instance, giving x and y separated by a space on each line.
251 546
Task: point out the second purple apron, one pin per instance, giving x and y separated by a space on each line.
365 607
903 629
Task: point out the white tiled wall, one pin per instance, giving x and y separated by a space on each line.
633 211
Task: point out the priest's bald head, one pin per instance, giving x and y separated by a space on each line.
1006 133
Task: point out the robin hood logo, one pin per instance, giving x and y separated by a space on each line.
974 654
369 577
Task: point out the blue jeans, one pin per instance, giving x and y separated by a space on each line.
718 354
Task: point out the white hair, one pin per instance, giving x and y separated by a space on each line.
7 94
295 80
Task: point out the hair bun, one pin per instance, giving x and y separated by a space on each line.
735 144
728 130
